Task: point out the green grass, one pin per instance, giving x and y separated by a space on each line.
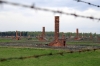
5 40
83 43
36 41
13 40
17 52
91 58
23 40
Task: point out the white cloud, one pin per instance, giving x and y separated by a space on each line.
31 20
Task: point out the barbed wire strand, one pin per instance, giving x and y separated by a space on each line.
49 10
87 3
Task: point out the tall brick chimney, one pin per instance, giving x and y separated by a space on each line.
56 27
77 34
43 32
57 42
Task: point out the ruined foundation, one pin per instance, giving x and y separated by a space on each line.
17 37
77 35
57 42
42 36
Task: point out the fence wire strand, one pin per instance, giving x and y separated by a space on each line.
49 10
88 3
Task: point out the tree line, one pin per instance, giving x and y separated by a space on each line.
49 34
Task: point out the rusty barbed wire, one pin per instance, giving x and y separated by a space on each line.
49 10
87 3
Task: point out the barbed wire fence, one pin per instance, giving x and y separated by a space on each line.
88 3
49 10
53 11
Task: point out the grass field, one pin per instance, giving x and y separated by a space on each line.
90 58
36 41
23 40
91 43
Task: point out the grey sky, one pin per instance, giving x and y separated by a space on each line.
24 19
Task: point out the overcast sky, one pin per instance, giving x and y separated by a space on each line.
14 18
